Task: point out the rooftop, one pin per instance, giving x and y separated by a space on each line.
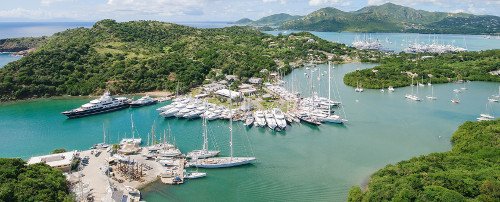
54 160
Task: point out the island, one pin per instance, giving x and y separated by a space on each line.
470 171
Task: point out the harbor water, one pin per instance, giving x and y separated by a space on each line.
303 163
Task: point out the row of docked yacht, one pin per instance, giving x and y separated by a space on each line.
275 119
185 107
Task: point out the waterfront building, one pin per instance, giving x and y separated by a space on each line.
61 161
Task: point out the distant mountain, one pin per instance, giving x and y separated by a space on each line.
390 17
243 21
272 20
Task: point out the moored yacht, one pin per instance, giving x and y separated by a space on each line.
271 122
280 118
105 103
260 119
143 101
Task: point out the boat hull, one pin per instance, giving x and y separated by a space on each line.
133 105
94 112
237 161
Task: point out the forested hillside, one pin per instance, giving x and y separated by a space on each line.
142 56
469 172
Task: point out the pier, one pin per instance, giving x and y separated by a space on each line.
105 177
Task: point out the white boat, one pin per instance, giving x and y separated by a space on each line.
382 90
487 115
456 91
133 140
412 96
358 89
204 152
497 96
224 162
170 112
194 175
432 97
334 119
143 101
271 122
249 121
456 101
492 100
260 119
279 117
391 89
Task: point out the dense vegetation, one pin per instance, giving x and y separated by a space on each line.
37 182
272 20
148 55
471 170
387 18
20 44
395 71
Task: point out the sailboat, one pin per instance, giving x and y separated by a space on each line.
495 98
102 145
455 100
332 118
487 115
391 89
412 96
224 162
430 81
358 89
432 97
136 141
421 84
204 152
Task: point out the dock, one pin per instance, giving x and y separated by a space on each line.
109 177
174 175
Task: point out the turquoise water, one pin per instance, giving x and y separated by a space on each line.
399 41
304 163
6 58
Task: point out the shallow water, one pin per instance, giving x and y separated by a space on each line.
302 163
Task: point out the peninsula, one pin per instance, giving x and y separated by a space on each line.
141 56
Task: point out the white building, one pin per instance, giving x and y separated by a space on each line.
61 161
255 80
229 94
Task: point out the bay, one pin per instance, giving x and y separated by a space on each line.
304 163
6 58
397 42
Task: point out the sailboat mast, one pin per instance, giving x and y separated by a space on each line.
329 89
103 134
205 138
231 124
132 121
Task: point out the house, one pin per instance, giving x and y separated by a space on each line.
229 94
212 87
231 78
61 161
255 80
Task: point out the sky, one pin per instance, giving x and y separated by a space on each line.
208 10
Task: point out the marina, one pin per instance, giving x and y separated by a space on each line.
371 139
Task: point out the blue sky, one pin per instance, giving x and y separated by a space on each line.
208 10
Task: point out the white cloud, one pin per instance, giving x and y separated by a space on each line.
35 14
48 2
468 6
270 1
327 2
159 7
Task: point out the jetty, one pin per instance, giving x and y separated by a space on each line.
107 176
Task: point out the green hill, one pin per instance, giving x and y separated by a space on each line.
469 172
243 21
276 19
390 17
142 56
